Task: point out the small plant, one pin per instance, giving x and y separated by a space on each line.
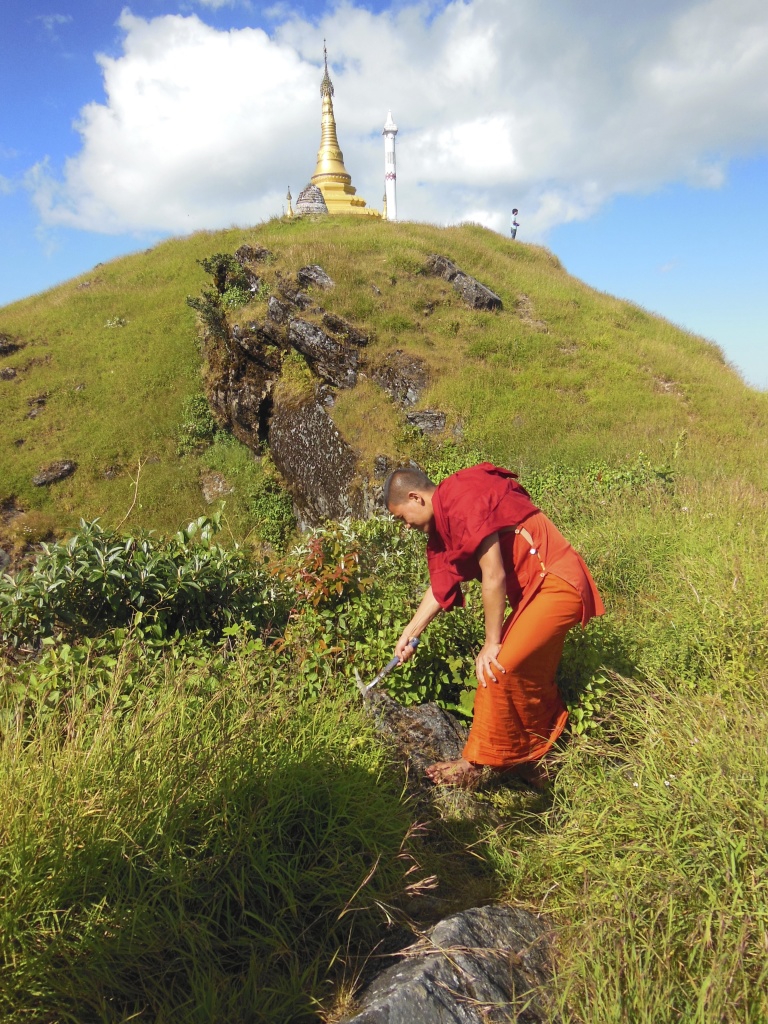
198 428
236 296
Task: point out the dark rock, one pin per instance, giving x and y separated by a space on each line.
277 311
36 406
318 464
54 472
476 295
9 345
337 325
428 421
251 254
262 343
19 442
313 275
334 362
237 396
382 466
420 733
487 965
403 377
294 296
111 472
7 373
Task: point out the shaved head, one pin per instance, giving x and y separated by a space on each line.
399 484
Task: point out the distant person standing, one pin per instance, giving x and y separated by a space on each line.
514 224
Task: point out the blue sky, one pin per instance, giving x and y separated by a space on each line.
634 139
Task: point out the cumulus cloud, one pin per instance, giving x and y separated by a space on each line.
539 105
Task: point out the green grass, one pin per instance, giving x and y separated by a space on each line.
196 847
563 374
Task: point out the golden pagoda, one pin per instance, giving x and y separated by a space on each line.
331 175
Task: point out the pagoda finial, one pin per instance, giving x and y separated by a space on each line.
326 86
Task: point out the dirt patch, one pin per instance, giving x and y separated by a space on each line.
525 313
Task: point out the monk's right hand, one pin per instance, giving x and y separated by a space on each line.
403 648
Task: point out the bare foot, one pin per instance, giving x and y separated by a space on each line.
461 773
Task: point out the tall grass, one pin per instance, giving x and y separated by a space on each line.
207 854
653 861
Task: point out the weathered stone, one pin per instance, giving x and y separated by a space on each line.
420 734
261 342
237 398
334 362
277 311
9 345
428 421
7 373
36 406
313 275
294 296
402 376
317 462
54 472
382 466
337 325
475 294
251 254
487 965
214 486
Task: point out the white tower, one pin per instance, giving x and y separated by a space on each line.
390 172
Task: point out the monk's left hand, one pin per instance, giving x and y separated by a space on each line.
487 664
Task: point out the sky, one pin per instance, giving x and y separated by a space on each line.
633 138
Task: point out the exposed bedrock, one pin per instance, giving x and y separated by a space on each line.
332 360
402 376
319 465
486 965
475 294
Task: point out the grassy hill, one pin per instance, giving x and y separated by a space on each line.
201 822
563 375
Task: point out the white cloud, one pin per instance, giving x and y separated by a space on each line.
51 22
6 186
537 105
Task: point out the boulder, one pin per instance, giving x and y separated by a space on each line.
402 376
54 472
428 421
334 362
251 254
277 311
9 345
214 486
486 965
313 275
237 397
317 462
7 373
36 406
337 325
475 294
420 733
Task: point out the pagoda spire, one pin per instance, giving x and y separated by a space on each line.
331 176
330 160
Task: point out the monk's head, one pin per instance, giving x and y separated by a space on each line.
408 496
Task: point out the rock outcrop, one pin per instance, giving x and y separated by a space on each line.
317 462
487 965
9 345
313 275
475 294
402 376
54 472
332 361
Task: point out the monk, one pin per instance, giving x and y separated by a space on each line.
482 524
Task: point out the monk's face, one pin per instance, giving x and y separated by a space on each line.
416 511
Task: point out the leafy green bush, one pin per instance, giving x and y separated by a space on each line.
99 580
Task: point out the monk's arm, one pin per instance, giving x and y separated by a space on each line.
424 614
494 590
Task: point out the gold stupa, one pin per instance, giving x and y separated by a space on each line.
331 175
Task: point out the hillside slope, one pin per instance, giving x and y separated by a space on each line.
562 375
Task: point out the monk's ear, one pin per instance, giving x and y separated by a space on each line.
415 496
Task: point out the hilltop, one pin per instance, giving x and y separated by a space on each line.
105 370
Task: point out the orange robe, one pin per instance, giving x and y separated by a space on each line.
549 588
